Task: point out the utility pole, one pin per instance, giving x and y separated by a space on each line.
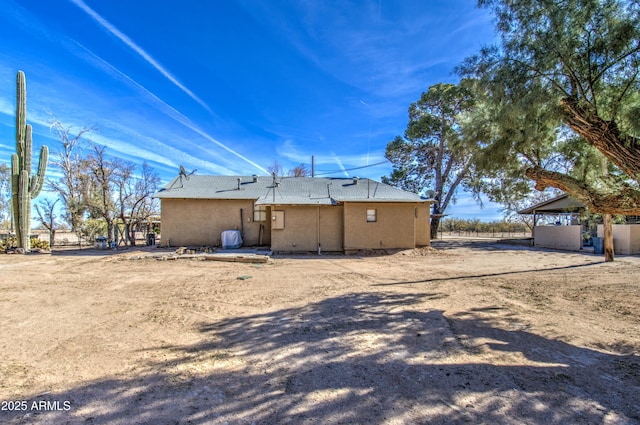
274 186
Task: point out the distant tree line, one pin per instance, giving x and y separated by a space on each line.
484 227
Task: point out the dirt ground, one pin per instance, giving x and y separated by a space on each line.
469 332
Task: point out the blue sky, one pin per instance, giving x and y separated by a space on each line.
228 87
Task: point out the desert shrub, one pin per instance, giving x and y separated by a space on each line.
37 243
92 228
8 243
12 242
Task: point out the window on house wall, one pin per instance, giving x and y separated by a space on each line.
259 213
372 216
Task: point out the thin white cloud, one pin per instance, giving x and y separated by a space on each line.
168 110
6 107
6 151
467 207
133 46
289 150
342 167
148 148
170 156
212 140
111 70
358 45
20 16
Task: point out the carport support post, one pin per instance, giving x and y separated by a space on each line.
535 220
608 237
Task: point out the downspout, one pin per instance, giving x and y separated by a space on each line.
242 223
318 230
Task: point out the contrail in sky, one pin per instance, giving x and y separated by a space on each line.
164 107
344 170
126 40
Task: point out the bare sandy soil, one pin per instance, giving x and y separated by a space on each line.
472 332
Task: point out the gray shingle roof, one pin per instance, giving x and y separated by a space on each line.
289 190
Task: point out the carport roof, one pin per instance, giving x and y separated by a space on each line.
287 190
559 205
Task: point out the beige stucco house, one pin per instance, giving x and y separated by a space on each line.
293 214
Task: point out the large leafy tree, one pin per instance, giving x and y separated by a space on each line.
432 155
565 64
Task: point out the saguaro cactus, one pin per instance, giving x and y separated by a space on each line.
24 186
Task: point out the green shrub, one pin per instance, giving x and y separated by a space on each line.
12 243
8 243
37 243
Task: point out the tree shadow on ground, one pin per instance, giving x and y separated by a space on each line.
493 245
362 358
485 275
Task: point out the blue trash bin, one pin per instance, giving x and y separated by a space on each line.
598 245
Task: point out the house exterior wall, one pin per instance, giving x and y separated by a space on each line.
626 238
306 226
201 221
395 226
189 222
558 237
423 224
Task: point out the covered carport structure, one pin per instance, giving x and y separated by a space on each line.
566 231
